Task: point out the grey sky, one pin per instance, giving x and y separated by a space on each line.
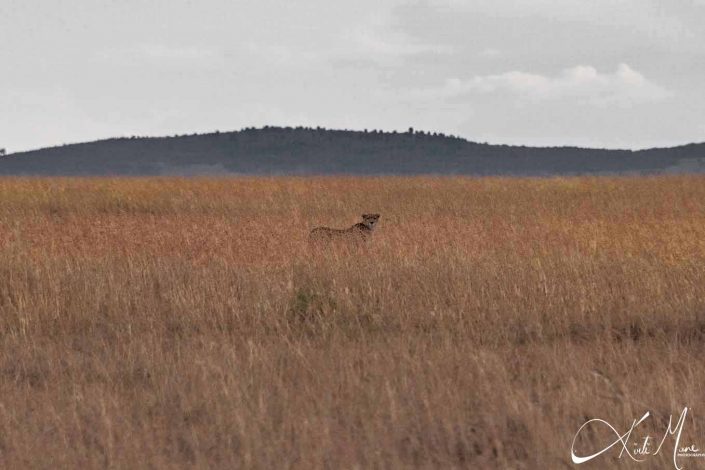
614 73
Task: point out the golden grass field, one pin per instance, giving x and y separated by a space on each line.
167 323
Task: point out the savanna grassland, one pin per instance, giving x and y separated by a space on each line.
167 323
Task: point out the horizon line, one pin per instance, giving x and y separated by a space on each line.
439 134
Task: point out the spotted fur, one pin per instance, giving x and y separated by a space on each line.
361 231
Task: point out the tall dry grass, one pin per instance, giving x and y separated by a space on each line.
177 323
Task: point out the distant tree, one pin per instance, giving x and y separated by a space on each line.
411 130
3 152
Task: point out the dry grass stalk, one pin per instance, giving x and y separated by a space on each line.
170 323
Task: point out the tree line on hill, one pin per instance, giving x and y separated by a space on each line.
318 151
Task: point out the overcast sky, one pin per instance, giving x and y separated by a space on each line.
607 73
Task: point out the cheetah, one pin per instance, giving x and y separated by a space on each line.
359 232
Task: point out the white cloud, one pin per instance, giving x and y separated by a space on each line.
376 39
161 54
392 44
160 51
281 54
649 16
580 85
490 52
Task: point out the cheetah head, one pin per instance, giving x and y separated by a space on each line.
370 220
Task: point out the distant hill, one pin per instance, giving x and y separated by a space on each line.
309 151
